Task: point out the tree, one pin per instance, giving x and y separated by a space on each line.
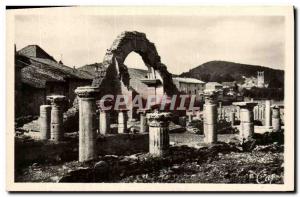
226 77
275 83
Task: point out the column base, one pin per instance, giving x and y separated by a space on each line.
246 130
210 133
159 141
56 132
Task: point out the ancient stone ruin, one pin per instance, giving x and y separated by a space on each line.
124 44
114 77
104 131
114 80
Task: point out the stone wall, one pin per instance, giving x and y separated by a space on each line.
33 98
56 88
28 151
258 113
18 92
72 85
122 144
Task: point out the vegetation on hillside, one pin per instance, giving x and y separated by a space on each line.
221 71
264 93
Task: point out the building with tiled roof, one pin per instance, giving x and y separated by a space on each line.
41 75
213 86
189 85
188 80
35 51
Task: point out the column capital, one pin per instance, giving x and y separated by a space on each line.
190 112
87 91
268 102
123 110
56 100
245 105
103 104
210 96
158 119
45 107
143 111
277 106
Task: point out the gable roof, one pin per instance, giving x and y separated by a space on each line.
229 83
38 71
65 71
35 77
213 84
35 51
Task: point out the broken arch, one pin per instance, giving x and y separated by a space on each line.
114 71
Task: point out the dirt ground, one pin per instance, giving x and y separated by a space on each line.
255 167
196 141
189 161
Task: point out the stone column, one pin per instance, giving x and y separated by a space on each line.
255 113
158 133
268 114
238 113
44 121
144 128
259 112
190 117
104 122
247 126
220 111
87 122
220 105
232 118
223 114
122 121
198 115
276 119
57 104
210 119
182 121
246 117
104 115
263 113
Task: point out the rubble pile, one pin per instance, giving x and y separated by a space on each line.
218 163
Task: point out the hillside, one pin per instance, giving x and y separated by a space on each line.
221 71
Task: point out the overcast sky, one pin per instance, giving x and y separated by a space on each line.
183 42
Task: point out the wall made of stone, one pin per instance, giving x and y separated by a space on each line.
29 151
56 88
123 144
32 99
18 92
72 85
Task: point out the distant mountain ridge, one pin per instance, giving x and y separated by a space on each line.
218 71
221 71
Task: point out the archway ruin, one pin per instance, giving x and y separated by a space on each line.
112 74
114 78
